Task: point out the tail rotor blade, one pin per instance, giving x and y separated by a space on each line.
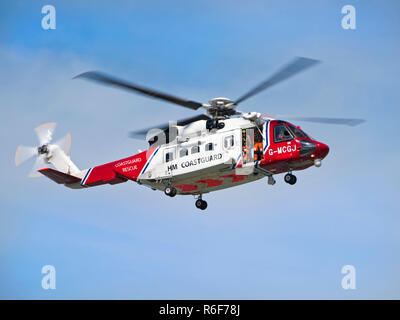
45 132
64 143
40 163
24 153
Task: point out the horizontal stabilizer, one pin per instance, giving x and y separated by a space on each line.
58 176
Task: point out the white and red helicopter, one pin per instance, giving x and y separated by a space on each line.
208 152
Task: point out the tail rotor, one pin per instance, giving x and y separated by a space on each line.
42 152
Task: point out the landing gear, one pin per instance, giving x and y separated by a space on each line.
201 204
271 180
290 178
170 191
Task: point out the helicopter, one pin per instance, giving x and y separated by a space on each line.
219 149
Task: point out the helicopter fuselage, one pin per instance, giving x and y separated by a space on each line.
199 160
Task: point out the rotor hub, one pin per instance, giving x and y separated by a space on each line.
222 103
43 149
221 107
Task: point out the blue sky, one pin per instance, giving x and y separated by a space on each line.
254 241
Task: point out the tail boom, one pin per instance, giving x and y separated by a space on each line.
110 173
119 171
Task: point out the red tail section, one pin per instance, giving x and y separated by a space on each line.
120 170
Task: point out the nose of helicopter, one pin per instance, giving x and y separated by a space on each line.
323 150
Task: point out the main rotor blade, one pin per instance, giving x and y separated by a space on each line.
341 121
108 80
154 130
297 65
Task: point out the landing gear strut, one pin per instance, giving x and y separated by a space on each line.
271 180
290 178
200 203
170 191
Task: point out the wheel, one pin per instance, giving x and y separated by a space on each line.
287 177
170 191
290 178
198 203
220 125
201 204
173 192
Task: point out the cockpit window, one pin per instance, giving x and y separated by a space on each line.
298 133
282 133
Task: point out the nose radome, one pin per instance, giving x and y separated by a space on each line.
323 149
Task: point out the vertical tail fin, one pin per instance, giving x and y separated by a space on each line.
59 159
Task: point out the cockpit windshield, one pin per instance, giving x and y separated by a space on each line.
297 132
282 133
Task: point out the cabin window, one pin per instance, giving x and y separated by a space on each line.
209 146
195 149
229 142
183 152
281 133
169 156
